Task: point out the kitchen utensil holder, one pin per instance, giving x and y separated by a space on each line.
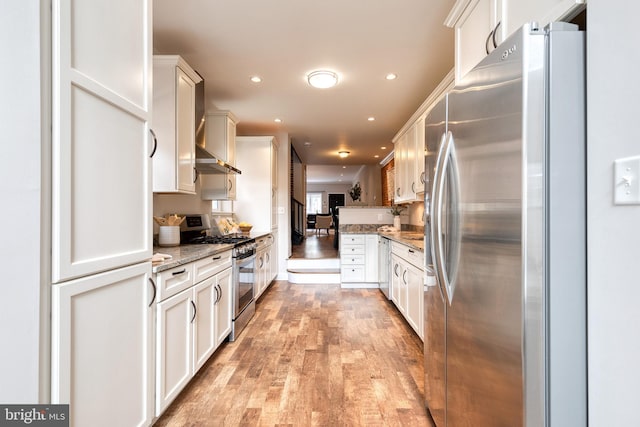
169 235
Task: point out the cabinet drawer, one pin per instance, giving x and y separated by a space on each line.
352 273
170 282
352 259
207 267
413 256
352 239
348 250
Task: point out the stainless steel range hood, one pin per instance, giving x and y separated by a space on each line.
207 163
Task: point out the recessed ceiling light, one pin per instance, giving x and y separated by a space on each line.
277 120
371 119
376 156
256 79
391 76
384 148
343 154
344 167
307 143
322 79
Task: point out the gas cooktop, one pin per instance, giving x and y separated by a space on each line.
229 239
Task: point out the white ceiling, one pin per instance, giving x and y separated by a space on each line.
227 42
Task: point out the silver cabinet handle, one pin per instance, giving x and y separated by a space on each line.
217 295
486 42
404 277
422 180
215 258
176 273
195 310
230 185
195 174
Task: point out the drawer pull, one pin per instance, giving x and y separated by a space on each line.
215 258
176 273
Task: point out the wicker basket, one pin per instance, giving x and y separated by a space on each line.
246 229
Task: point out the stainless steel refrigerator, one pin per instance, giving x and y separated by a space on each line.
505 306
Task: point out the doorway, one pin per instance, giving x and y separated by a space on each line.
335 200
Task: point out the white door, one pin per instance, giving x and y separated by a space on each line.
101 356
204 340
224 305
173 347
101 97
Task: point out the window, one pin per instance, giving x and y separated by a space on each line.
314 202
222 206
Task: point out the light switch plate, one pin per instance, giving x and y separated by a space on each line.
626 186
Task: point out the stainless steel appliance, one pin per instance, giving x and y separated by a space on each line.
505 321
384 260
195 229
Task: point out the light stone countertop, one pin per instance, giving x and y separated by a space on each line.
185 254
413 239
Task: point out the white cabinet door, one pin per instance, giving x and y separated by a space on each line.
397 294
173 347
185 133
415 296
273 257
224 305
274 185
419 174
371 258
101 105
174 84
205 295
101 356
220 140
478 24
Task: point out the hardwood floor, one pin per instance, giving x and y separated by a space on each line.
315 246
313 355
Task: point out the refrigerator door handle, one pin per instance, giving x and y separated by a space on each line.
435 210
447 163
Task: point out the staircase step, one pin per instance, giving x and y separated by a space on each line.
314 270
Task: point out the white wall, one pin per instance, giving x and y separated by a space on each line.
369 177
613 231
23 358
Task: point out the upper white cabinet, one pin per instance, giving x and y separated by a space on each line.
174 84
101 109
257 196
220 140
481 25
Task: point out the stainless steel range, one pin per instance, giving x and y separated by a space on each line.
194 230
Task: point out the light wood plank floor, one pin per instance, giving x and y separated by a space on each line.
313 355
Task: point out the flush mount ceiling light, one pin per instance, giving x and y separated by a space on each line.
322 79
343 154
391 76
277 120
256 79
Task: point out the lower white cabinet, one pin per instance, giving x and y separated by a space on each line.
265 264
101 355
359 260
190 326
407 284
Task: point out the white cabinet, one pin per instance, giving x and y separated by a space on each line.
265 262
220 140
481 25
257 195
409 163
101 108
191 322
359 260
419 175
101 348
101 75
407 284
223 305
174 84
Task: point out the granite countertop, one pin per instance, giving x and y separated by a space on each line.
185 254
413 238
